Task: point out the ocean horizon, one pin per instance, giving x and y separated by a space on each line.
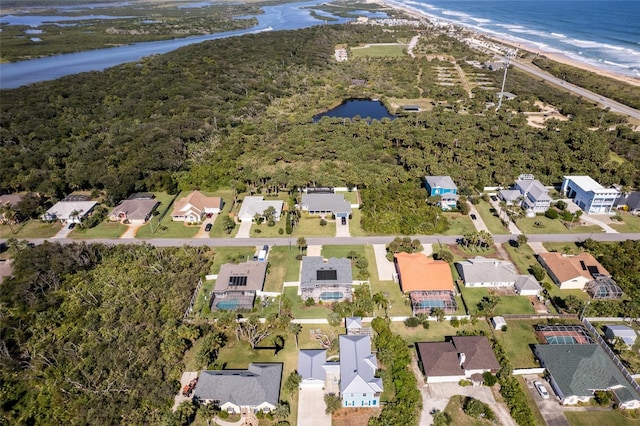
603 34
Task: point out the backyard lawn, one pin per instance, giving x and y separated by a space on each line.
105 229
436 332
599 418
283 266
490 218
301 311
507 305
31 229
516 342
350 196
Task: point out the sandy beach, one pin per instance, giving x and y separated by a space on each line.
554 56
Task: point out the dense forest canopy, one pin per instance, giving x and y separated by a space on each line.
238 111
90 334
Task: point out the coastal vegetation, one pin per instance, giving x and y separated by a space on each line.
91 334
237 113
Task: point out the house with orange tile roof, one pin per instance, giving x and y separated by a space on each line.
428 282
194 207
572 271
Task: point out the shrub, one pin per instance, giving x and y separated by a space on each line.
258 230
271 223
412 322
551 214
455 322
489 379
309 302
323 222
504 327
280 231
602 397
425 324
465 382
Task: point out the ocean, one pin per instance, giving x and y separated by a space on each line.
604 33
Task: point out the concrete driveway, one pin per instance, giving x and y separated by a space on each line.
385 268
64 232
342 230
132 230
311 408
201 232
245 230
187 376
550 408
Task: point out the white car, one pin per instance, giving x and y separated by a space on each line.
541 390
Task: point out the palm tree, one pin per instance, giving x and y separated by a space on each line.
381 301
438 313
296 329
302 244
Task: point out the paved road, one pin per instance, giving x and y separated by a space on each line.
431 239
605 102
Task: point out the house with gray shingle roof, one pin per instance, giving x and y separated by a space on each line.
358 385
535 195
257 205
326 280
483 272
527 285
255 389
326 204
576 371
133 210
237 285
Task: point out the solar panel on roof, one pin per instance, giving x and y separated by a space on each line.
584 267
592 269
327 275
238 281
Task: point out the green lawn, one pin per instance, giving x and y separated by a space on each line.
630 223
354 224
523 257
459 224
309 226
283 266
458 416
105 229
490 218
551 226
265 231
31 229
202 300
436 332
216 229
507 305
599 418
350 196
229 254
566 248
516 340
342 251
377 51
398 305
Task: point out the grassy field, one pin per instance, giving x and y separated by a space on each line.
309 226
31 229
216 229
630 223
507 305
551 226
459 224
379 51
490 219
229 254
523 257
283 266
301 311
350 196
516 340
566 248
354 224
103 230
599 418
436 331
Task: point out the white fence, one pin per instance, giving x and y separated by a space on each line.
523 371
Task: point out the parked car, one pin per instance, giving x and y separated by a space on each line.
494 198
344 220
541 390
72 225
207 228
473 216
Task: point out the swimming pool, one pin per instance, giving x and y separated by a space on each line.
227 304
331 295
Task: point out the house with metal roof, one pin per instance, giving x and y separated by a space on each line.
358 385
255 389
576 371
256 206
623 332
69 211
535 196
443 187
236 285
589 195
483 272
510 196
311 367
326 204
135 211
457 358
572 271
326 280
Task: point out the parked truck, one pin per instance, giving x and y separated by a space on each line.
188 389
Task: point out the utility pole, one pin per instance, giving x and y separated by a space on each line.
507 60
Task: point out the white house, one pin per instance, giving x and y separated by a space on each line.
589 195
527 285
623 332
69 211
311 367
194 207
256 205
535 196
483 272
358 385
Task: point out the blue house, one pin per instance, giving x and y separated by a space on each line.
358 385
443 187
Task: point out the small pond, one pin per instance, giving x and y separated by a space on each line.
365 108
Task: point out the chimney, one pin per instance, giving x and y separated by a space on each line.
462 358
